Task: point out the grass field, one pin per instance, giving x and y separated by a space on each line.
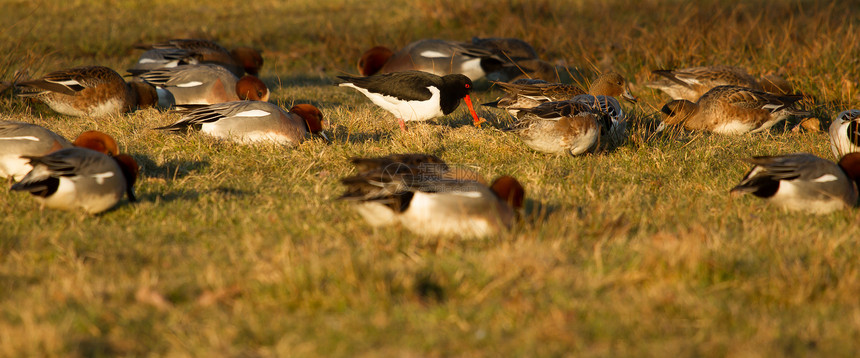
243 251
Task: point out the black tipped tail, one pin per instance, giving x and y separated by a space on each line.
175 127
42 188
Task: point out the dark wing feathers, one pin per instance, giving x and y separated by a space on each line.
552 110
391 180
395 161
405 85
552 91
195 117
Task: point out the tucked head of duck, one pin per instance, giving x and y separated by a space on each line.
373 60
509 190
850 163
312 116
251 88
97 141
250 59
678 111
130 170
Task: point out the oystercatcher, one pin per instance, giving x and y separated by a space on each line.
415 95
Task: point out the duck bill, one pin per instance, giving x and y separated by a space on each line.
324 137
628 96
478 121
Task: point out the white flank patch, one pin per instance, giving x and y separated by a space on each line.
434 54
468 194
21 138
262 137
825 178
190 84
146 60
472 69
441 214
756 170
100 177
253 113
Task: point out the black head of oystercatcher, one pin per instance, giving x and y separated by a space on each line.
415 95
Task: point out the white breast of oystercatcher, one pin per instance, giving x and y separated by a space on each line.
408 110
414 95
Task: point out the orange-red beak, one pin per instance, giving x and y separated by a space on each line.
478 121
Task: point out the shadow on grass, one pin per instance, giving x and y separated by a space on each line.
171 170
193 195
299 81
316 103
537 212
342 134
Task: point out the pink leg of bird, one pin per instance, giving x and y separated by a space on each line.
402 124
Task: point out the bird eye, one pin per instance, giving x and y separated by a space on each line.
468 86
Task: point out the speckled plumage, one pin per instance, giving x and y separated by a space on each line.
89 91
731 110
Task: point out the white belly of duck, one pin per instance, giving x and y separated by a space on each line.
68 198
452 214
376 214
791 198
544 137
733 128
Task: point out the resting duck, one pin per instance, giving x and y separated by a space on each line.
204 84
691 83
439 57
176 52
417 192
803 182
89 91
731 110
250 122
562 127
526 93
21 140
80 178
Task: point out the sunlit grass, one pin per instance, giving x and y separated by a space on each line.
243 251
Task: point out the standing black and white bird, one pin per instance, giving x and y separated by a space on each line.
415 95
